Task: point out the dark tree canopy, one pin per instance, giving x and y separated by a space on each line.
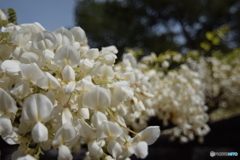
156 25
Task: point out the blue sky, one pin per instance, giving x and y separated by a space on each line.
51 14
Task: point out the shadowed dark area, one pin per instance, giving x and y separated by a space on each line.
156 26
224 137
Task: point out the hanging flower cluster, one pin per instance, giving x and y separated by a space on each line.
184 88
221 79
179 96
57 92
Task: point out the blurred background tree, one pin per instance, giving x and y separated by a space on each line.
157 25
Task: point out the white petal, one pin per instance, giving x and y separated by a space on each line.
114 148
118 94
29 57
5 82
85 130
11 29
141 150
39 133
149 135
64 135
108 58
38 108
43 82
149 95
67 55
21 89
109 129
104 71
62 98
77 46
85 84
44 40
97 98
67 116
22 36
94 150
128 91
119 84
53 82
31 72
8 104
5 126
3 16
51 95
17 52
11 67
12 139
131 59
70 87
141 105
34 27
68 73
85 65
97 118
64 36
84 113
48 82
79 34
47 55
92 53
64 153
129 76
112 49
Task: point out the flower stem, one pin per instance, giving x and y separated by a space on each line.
110 113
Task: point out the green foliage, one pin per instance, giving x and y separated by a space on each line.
167 55
12 16
214 38
193 54
157 25
232 57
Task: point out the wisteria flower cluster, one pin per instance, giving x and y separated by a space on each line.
58 93
185 88
179 97
221 79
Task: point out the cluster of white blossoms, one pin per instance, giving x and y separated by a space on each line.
221 79
183 95
179 98
58 93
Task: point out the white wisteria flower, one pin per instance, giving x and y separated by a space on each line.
57 92
67 55
97 98
37 109
44 40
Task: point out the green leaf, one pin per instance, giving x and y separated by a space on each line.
210 35
205 45
216 41
12 16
